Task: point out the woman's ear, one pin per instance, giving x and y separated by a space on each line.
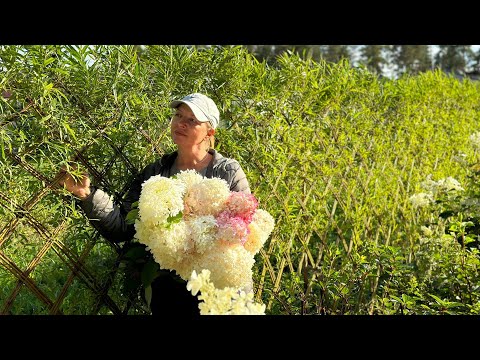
211 132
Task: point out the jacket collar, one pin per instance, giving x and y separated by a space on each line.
167 160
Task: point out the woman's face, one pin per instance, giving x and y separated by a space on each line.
185 129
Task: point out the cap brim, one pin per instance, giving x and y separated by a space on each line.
195 109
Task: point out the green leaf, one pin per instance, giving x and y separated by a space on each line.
437 299
48 61
149 272
136 252
70 131
174 219
131 283
148 295
469 239
131 216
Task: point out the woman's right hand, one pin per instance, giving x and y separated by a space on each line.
80 187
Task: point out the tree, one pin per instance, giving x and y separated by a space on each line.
372 56
411 59
263 52
454 58
269 53
335 53
476 59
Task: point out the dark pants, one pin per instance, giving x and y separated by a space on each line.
170 297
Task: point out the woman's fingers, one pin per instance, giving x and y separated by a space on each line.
72 183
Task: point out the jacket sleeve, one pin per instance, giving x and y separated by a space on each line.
236 177
109 218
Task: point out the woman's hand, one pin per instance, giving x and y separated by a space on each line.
80 187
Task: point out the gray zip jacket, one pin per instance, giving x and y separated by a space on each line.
109 218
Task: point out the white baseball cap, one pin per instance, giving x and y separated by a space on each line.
202 107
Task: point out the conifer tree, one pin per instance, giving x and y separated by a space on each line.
411 59
335 53
454 58
373 57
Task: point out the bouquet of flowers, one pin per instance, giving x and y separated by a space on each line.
191 223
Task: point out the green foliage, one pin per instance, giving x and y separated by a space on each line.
174 219
332 152
132 214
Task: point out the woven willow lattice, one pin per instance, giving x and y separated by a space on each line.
53 243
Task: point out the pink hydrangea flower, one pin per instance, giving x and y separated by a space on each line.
232 229
241 205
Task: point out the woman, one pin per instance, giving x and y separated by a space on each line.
192 129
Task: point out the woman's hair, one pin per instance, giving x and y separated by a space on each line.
211 138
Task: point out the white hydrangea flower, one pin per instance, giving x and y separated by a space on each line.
421 199
442 185
449 184
178 240
203 232
230 266
196 282
160 190
260 229
207 197
226 301
256 308
428 184
189 178
475 140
